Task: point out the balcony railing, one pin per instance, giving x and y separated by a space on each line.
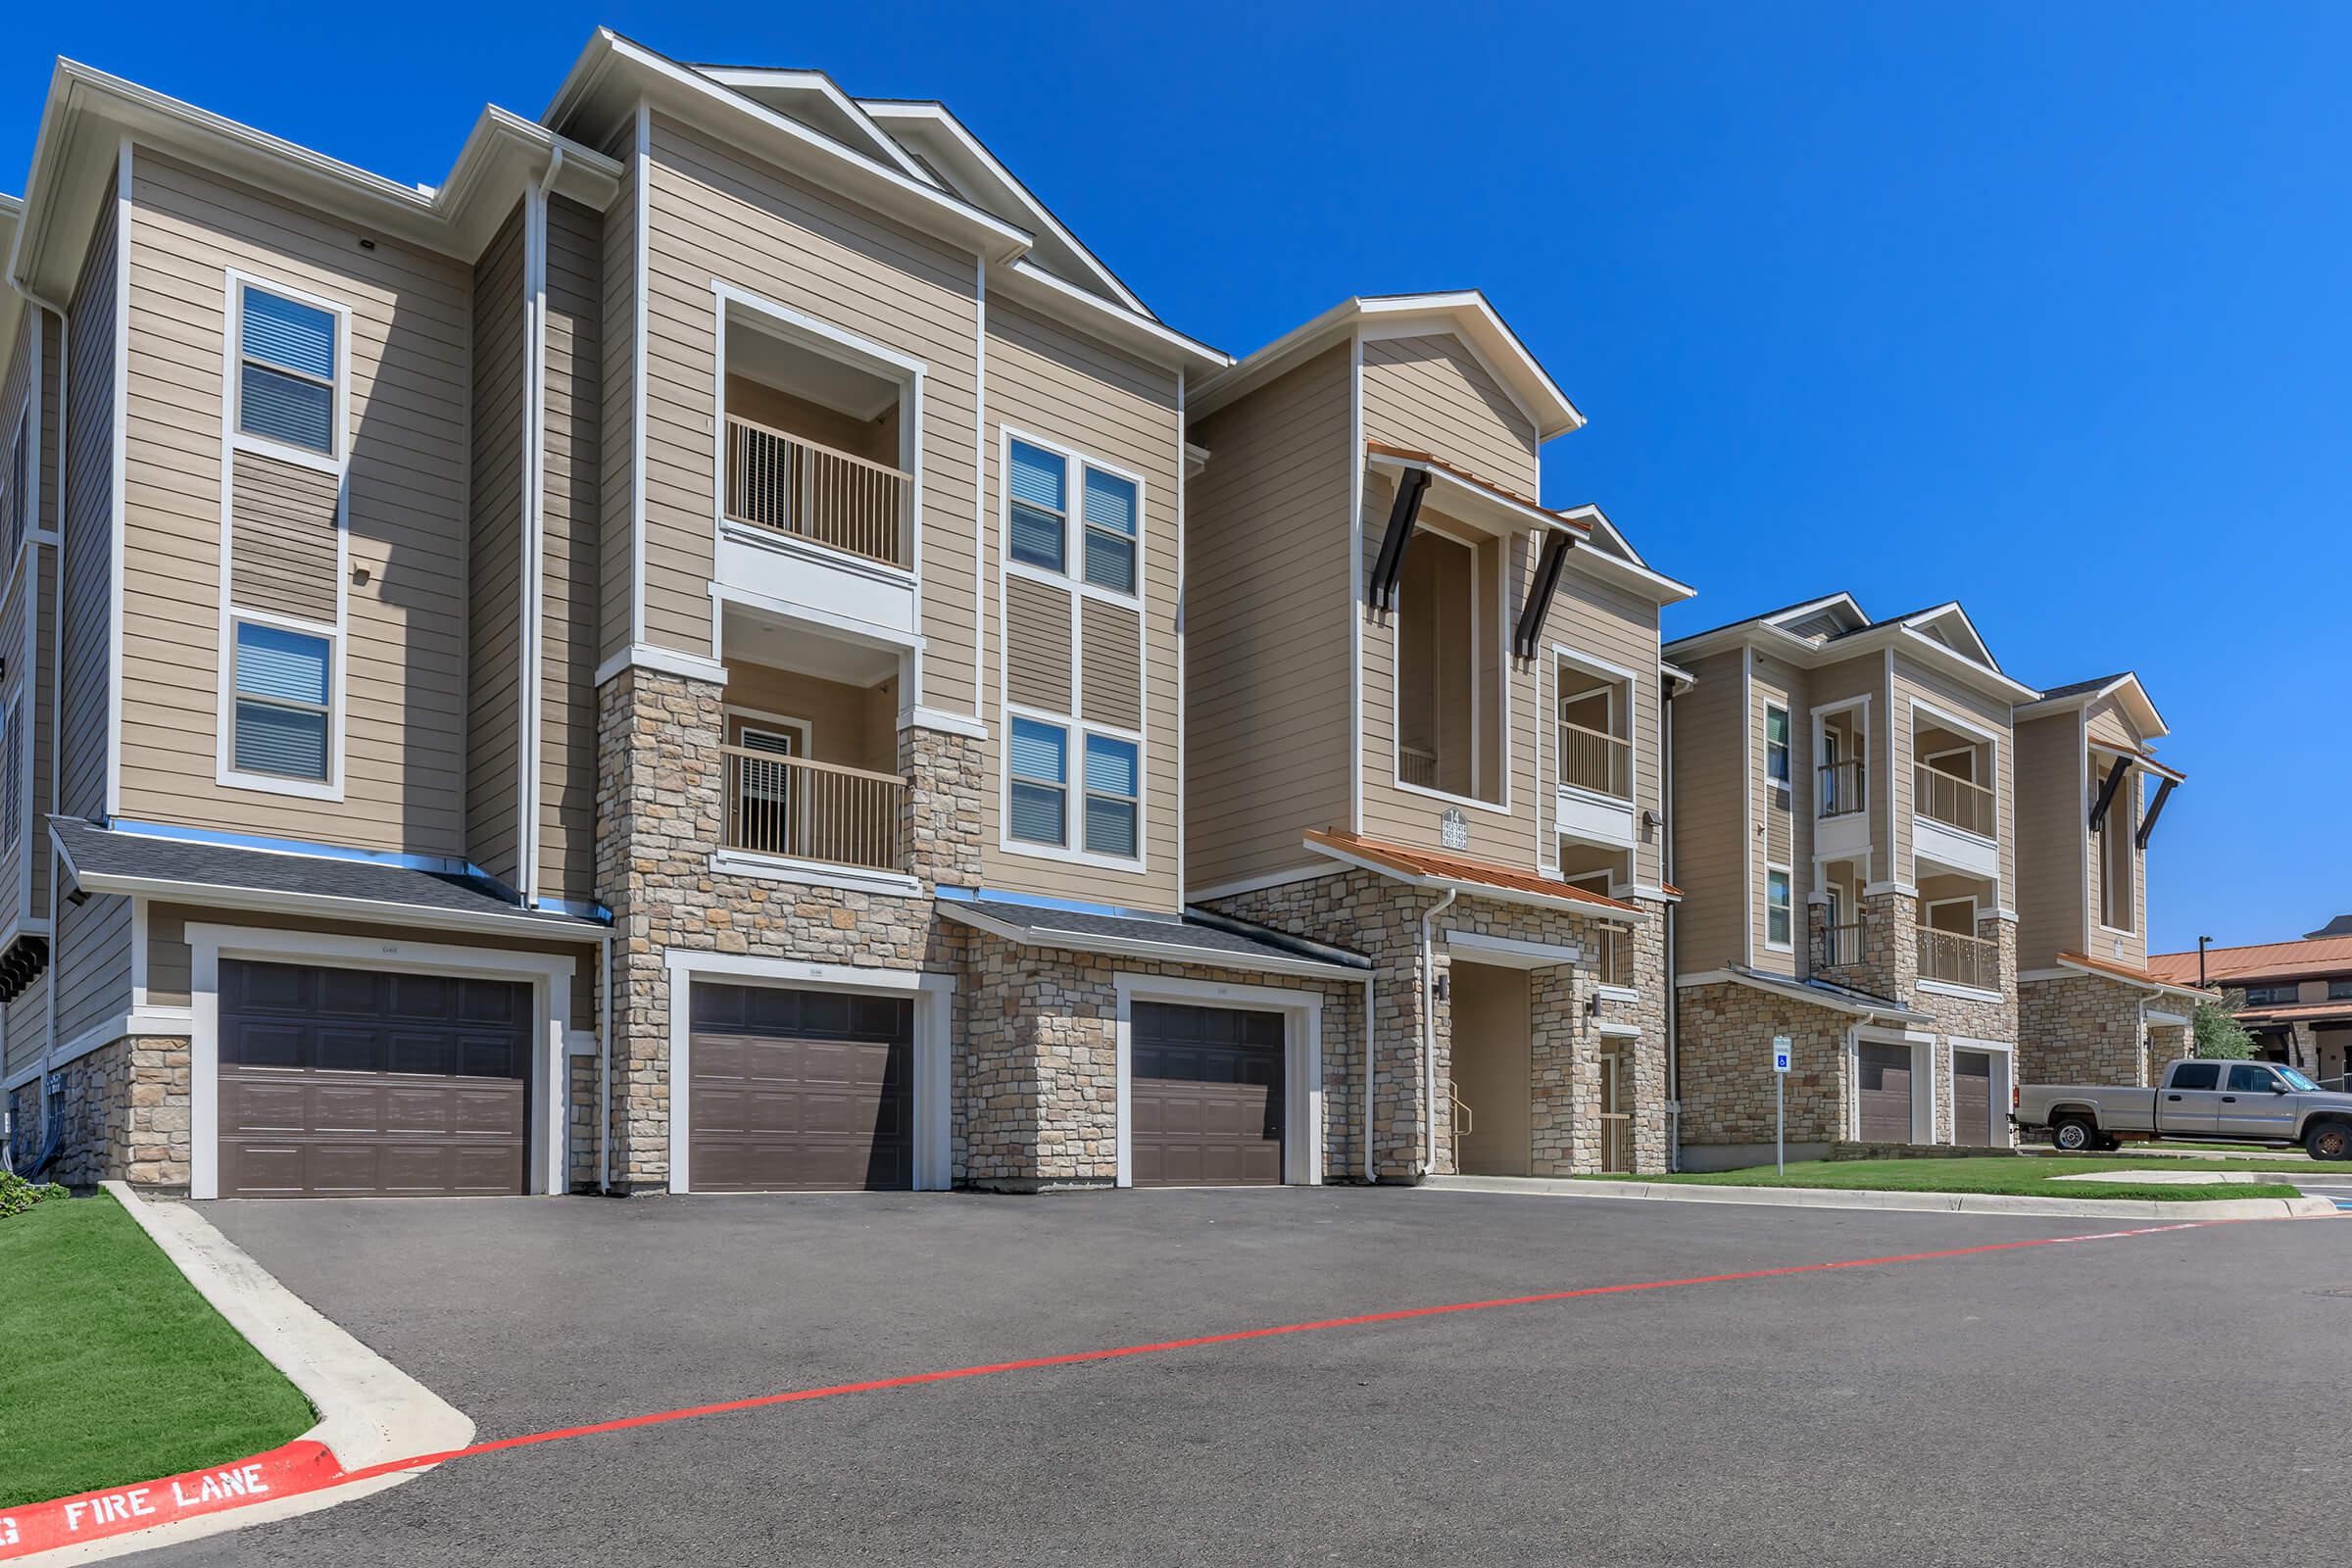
1842 944
811 810
1962 961
795 486
1616 1140
1613 962
1417 766
1594 759
1842 785
1953 802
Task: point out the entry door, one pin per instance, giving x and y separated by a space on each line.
1972 1098
2253 1104
1885 1094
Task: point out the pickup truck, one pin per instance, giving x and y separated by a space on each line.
2216 1101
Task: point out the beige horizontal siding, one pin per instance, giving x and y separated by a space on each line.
1037 658
1612 627
283 538
1266 625
1773 683
42 720
1111 671
717 214
569 593
617 389
1076 394
1711 845
93 965
404 660
90 395
2052 839
1432 395
26 1025
494 709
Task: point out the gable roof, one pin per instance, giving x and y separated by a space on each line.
1464 313
2125 688
1909 631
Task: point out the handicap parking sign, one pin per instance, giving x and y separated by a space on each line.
1779 1053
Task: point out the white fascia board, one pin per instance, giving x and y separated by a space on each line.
327 906
1651 584
824 86
889 113
1951 608
613 72
1024 280
88 108
1137 947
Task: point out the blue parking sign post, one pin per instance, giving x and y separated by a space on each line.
1780 1045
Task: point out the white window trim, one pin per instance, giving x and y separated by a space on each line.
823 338
1789 878
1077 728
549 975
1303 1062
17 761
1788 745
1477 698
2131 786
28 431
233 441
1944 718
1609 676
933 1028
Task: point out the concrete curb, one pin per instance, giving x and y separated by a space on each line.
1905 1202
369 1411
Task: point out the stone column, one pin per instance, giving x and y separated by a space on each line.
1890 965
1647 1056
1564 1060
2303 1049
1817 933
659 802
938 817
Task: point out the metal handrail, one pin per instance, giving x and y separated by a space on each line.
805 810
1953 800
1595 760
1959 958
1842 787
793 485
1842 944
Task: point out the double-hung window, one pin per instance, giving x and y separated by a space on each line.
1038 488
1110 797
1778 924
283 681
287 368
1111 503
11 788
1775 744
20 490
1041 782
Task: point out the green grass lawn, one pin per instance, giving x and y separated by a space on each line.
2030 1177
116 1370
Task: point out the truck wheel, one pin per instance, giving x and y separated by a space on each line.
2074 1134
2330 1139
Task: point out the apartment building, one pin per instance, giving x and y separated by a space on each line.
2295 998
1846 801
2091 792
653 663
1425 719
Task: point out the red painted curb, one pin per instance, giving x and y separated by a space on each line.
300 1466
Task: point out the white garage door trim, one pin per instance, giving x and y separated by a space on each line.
933 993
1301 1062
2004 1078
548 974
1923 1079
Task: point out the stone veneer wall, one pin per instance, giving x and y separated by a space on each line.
1036 1080
1724 1043
661 802
126 1114
1381 917
2082 1029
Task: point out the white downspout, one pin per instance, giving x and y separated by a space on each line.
1429 1030
604 1073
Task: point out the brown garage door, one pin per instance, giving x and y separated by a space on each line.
799 1091
340 1083
1205 1096
1885 1095
1972 1098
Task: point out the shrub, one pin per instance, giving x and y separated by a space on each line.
16 1194
2220 1037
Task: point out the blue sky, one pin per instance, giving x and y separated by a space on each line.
2038 307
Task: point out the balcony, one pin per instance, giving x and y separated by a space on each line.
803 810
1959 960
1953 801
800 488
1842 946
1597 760
1613 960
1839 789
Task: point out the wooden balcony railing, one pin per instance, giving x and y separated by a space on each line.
1963 960
1594 759
812 811
1842 944
798 487
1953 802
1616 1140
1842 785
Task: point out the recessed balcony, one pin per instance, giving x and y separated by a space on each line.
1957 958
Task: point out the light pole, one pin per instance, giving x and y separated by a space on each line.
2202 944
